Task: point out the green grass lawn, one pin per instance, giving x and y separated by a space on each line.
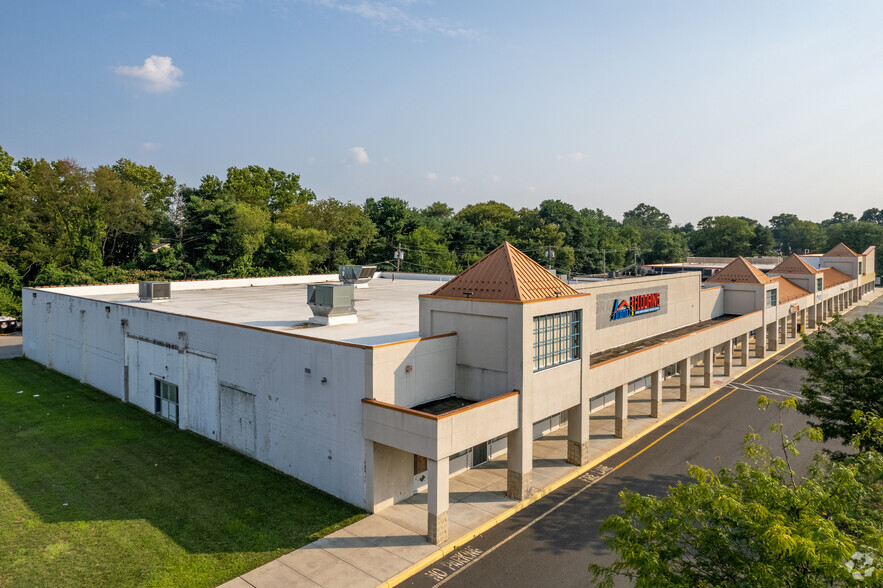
94 492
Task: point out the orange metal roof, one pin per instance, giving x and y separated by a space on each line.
869 249
794 265
506 274
833 277
739 271
788 290
841 250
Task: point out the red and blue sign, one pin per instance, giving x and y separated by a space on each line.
636 305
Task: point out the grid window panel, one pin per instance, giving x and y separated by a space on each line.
166 400
556 339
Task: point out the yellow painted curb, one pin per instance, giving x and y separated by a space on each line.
455 545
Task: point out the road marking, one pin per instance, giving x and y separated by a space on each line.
594 476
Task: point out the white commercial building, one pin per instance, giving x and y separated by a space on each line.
435 374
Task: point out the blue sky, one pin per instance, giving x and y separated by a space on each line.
699 108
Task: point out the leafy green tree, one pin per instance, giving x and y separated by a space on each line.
209 245
426 252
756 524
722 236
10 288
668 247
350 231
438 210
839 217
844 373
156 189
269 189
796 236
647 216
394 219
872 215
124 216
490 214
763 242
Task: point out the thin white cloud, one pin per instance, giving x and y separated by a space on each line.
156 75
359 156
395 15
311 160
495 179
431 176
455 180
572 157
531 188
148 146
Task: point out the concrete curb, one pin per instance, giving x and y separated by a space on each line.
455 545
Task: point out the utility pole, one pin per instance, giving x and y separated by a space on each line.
399 258
603 261
550 253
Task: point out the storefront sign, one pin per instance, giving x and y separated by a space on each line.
640 304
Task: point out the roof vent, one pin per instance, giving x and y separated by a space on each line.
356 275
332 304
150 291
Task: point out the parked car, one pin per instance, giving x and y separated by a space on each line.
8 325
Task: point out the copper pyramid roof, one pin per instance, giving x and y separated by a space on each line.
841 250
794 265
833 277
739 271
505 274
788 290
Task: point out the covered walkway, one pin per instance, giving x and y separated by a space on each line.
385 544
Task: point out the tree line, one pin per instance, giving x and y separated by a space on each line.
61 223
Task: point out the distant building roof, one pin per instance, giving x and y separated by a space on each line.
841 250
506 274
833 277
788 290
739 271
794 265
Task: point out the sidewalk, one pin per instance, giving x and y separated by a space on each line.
388 547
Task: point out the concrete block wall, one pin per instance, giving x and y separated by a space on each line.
302 426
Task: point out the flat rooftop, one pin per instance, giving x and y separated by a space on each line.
388 310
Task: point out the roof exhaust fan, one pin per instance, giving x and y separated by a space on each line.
150 291
332 304
356 275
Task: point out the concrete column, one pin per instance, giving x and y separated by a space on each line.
760 341
801 314
622 412
578 434
783 326
520 462
743 345
792 325
656 393
773 336
684 369
707 366
437 500
728 357
811 317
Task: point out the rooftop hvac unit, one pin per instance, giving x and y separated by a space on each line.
357 275
151 291
332 304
